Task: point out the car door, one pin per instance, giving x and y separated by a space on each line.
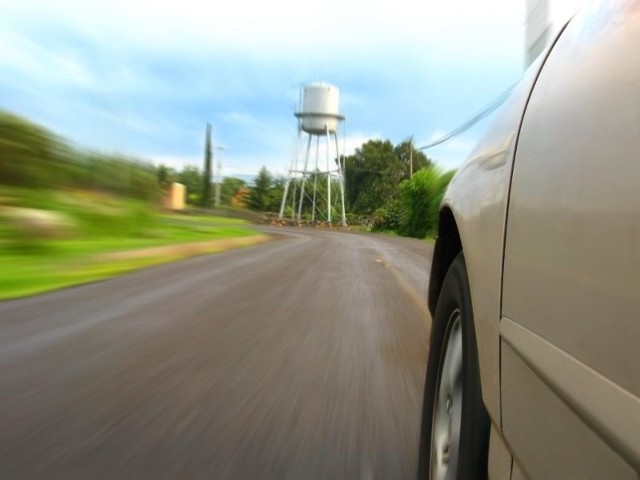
570 327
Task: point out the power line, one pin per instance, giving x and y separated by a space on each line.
472 121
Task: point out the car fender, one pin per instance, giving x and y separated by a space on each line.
472 219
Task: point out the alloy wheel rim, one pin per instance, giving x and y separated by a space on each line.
447 415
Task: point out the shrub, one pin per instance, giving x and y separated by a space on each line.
388 218
420 198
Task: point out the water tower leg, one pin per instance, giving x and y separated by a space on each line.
315 181
341 178
304 178
293 200
328 176
294 186
294 158
284 197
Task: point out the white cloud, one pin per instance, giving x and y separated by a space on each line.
176 162
355 140
145 76
275 27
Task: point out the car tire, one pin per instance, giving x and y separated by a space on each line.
454 434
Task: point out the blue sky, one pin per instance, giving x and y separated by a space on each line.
143 77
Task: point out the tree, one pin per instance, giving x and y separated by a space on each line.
259 195
372 176
28 153
191 178
229 189
275 194
32 156
206 177
240 199
407 154
166 175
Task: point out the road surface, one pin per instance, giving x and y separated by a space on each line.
301 358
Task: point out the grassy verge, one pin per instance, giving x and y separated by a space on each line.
83 232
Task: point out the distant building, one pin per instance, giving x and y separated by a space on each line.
544 19
175 197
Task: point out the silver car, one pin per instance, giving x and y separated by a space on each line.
534 360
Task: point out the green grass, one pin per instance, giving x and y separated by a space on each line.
101 224
24 276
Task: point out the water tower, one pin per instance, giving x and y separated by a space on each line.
318 116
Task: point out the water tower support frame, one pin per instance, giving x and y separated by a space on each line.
318 116
292 167
315 181
304 177
341 169
298 178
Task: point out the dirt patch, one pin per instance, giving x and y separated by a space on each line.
186 249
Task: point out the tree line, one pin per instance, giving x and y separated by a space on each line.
380 190
388 187
32 156
398 187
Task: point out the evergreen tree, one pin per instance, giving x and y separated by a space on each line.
206 178
259 195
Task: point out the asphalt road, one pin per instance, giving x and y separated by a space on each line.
301 358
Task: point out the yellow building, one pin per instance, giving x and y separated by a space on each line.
175 197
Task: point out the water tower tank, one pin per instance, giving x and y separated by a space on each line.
320 109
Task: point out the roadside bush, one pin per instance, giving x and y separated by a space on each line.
420 198
388 218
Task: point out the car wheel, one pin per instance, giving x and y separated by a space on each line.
455 425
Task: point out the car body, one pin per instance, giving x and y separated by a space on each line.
545 215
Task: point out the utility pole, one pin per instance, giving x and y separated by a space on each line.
206 178
411 156
218 178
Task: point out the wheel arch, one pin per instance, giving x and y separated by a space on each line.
448 245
